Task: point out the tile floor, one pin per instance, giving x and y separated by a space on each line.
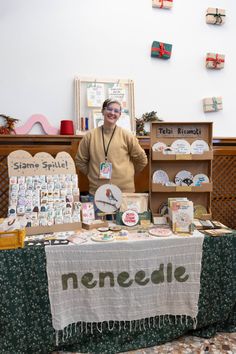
222 343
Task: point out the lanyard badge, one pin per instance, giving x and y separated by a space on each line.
105 170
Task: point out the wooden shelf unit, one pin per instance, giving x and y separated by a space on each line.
168 132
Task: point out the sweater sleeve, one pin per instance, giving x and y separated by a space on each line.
137 155
82 155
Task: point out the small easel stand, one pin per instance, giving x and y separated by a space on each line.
105 216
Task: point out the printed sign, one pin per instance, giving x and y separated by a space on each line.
22 163
181 131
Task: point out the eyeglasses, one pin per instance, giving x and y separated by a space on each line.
116 110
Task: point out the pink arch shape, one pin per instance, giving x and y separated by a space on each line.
37 118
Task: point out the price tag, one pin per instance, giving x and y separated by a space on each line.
183 189
183 157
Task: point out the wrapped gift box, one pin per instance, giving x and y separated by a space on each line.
212 104
215 61
215 16
165 4
161 50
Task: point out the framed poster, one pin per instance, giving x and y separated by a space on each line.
97 118
90 93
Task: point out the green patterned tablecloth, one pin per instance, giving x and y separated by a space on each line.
25 319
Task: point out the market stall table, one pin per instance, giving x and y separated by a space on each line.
25 316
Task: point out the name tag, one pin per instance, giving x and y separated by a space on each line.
105 170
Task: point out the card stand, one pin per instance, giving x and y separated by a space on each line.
159 215
36 230
205 187
157 155
90 226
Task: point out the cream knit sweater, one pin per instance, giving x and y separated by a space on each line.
125 154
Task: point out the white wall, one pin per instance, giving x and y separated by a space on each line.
45 43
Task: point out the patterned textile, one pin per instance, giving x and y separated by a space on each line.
124 281
25 319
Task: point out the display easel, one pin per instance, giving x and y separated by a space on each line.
89 116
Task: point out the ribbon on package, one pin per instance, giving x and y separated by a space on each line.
216 61
161 50
214 104
217 16
162 2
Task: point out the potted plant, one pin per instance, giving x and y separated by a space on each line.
143 123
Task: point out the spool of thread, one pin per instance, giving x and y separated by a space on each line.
67 127
86 123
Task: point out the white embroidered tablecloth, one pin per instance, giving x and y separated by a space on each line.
124 281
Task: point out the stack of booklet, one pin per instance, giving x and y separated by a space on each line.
181 215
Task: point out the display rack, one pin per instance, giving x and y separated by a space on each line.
168 132
88 116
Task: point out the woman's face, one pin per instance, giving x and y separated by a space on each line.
111 114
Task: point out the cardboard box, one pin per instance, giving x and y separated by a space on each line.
215 61
36 230
94 225
212 104
215 16
165 4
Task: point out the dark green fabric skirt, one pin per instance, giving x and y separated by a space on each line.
25 318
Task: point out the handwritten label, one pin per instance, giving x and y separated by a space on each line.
44 165
22 163
181 131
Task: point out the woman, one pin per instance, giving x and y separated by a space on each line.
110 154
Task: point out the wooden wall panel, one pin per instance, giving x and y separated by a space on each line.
224 181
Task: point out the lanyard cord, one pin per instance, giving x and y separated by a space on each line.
106 149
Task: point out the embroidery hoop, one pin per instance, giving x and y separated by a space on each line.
108 198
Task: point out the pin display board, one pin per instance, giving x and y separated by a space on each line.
90 93
44 191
